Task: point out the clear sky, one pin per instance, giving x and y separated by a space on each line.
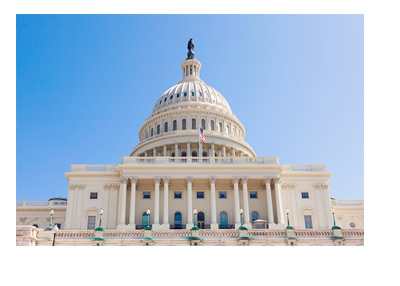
86 83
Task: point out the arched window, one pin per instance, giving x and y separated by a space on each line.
183 154
145 219
254 216
177 220
212 125
193 123
194 154
166 127
158 129
35 225
174 125
152 132
203 124
220 127
205 154
184 124
200 219
223 220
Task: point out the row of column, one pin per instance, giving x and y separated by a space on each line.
211 152
213 206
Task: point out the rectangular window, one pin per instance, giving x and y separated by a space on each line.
146 195
91 222
308 222
93 195
177 195
222 195
200 195
253 195
304 195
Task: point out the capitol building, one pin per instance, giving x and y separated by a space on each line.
193 180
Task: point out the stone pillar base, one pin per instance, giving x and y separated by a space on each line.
276 226
156 226
164 226
214 226
124 226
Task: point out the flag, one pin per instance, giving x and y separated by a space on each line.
202 136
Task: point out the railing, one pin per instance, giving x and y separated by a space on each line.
304 168
54 203
359 203
191 160
94 168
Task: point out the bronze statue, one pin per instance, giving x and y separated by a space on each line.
190 45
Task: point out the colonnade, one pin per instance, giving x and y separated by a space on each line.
237 183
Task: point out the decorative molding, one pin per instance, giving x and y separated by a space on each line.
157 180
212 180
235 180
133 180
244 180
166 180
189 180
123 180
324 186
277 180
267 180
317 186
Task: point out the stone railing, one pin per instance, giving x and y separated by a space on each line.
219 233
353 232
352 203
199 160
313 233
268 232
30 204
172 233
111 168
303 168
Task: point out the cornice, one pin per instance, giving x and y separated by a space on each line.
91 174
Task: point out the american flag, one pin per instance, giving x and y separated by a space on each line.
202 136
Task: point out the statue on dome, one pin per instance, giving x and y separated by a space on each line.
190 47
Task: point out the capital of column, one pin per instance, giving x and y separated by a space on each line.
291 187
81 186
244 180
166 180
317 186
115 186
277 180
267 180
189 179
324 186
212 180
284 186
133 180
235 180
123 180
107 187
157 180
72 187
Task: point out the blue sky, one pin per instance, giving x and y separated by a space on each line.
86 83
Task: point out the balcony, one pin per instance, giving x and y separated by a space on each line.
198 160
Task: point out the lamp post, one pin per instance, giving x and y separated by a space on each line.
334 221
241 217
100 228
194 217
288 223
148 227
50 227
55 230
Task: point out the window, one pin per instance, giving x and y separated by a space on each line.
253 195
352 225
185 94
158 129
223 220
254 216
200 219
145 219
146 195
152 132
212 125
193 123
308 222
203 124
93 195
222 195
177 95
165 99
177 220
35 225
184 124
184 154
174 125
205 154
91 222
194 154
192 93
304 195
177 195
220 127
171 96
200 195
166 127
58 225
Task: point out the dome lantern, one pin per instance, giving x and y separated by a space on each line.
191 66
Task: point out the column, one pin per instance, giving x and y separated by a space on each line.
176 150
267 182
246 211
328 204
188 154
69 212
278 201
233 152
122 202
213 204
145 153
106 202
165 150
189 220
320 207
166 213
235 181
133 203
79 213
223 150
200 149
154 152
241 153
156 216
212 150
